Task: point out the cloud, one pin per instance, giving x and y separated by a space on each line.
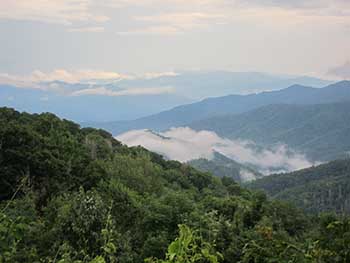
126 92
152 30
90 82
76 76
171 17
174 23
96 29
39 79
174 17
64 12
154 75
328 5
174 4
342 72
184 144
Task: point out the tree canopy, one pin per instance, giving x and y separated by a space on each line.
78 195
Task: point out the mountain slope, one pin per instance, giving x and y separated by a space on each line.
233 104
323 188
93 199
222 166
320 131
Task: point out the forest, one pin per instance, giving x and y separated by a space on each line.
71 194
324 188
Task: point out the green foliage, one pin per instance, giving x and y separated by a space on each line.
189 248
72 195
325 188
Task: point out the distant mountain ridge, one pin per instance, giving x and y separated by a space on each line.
104 100
88 107
198 84
232 104
320 131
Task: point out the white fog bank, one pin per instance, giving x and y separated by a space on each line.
184 144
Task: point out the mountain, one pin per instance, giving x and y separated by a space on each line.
62 100
198 85
222 166
137 96
232 104
320 131
324 188
95 200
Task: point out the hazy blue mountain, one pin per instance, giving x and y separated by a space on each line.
232 104
87 107
320 131
186 87
202 84
222 166
317 189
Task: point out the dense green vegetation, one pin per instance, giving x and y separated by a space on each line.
323 188
320 131
77 195
222 166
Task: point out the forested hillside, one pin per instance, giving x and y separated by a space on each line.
320 131
324 188
77 195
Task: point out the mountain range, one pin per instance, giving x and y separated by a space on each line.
233 104
319 131
137 96
199 84
86 107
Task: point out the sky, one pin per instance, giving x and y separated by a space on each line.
101 39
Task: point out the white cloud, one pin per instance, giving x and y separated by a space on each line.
174 4
152 30
96 29
40 79
171 17
154 75
50 11
93 82
184 144
37 78
174 23
126 92
327 7
341 72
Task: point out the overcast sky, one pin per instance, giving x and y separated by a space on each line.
141 36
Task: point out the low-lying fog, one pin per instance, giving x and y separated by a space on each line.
184 144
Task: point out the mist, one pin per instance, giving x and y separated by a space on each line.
184 144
